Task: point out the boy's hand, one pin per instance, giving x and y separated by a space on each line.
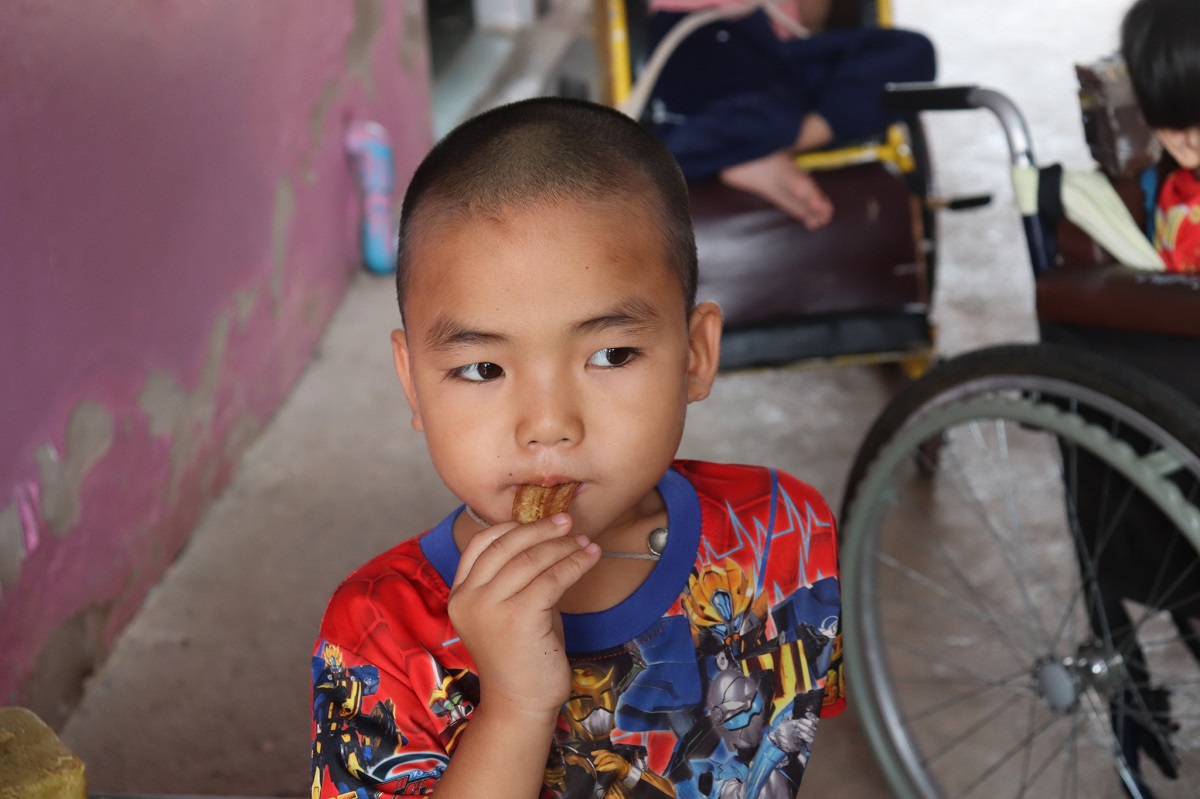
503 604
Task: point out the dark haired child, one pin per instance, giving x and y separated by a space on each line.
1160 42
676 631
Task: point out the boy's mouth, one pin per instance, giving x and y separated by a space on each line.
533 502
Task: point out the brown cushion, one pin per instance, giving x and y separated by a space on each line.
764 268
1110 295
1090 289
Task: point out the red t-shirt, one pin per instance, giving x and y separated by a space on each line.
1177 222
714 671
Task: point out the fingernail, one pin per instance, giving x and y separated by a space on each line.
583 541
561 519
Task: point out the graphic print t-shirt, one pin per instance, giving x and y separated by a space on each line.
707 681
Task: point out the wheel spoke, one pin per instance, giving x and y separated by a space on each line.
1021 611
983 686
1009 755
978 611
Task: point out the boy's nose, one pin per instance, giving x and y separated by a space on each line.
550 417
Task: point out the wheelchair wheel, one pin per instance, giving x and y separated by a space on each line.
1022 616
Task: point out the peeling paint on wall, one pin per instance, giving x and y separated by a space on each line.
244 431
412 41
89 435
281 221
368 19
244 301
185 418
12 547
316 125
69 657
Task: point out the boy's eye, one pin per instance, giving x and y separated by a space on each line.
612 356
478 372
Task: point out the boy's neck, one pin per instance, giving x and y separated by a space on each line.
612 580
609 583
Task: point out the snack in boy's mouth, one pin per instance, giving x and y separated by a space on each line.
537 502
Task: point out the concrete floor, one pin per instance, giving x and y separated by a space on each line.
207 692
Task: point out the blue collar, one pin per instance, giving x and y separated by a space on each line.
595 632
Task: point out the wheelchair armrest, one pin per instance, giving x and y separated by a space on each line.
912 98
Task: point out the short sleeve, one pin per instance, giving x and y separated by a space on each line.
367 731
392 686
821 572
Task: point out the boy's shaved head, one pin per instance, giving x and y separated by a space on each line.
549 150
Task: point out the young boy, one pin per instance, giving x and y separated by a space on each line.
675 633
1160 42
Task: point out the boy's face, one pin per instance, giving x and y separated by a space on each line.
1183 145
551 345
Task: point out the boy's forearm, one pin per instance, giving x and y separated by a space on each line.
502 755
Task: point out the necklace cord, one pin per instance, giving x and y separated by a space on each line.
656 541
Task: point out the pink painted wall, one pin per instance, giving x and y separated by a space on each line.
177 223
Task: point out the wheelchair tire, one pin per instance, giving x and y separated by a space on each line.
1019 615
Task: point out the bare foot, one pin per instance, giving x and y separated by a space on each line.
778 180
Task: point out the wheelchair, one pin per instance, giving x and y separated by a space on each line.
1021 524
855 291
1021 529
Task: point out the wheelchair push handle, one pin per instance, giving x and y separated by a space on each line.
910 99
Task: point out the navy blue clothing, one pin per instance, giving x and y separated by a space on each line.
734 91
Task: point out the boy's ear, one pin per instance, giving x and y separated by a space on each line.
403 362
704 349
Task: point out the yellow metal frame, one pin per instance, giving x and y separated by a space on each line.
893 149
614 58
883 10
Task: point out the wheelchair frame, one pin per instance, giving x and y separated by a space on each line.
1077 679
840 337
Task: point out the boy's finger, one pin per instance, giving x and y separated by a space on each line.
547 588
476 546
519 571
490 549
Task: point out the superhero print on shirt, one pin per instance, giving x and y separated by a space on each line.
764 673
359 751
586 761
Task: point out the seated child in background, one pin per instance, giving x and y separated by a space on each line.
1160 42
676 631
739 98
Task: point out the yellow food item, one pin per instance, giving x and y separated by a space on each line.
537 502
34 763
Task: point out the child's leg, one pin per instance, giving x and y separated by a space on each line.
777 179
841 74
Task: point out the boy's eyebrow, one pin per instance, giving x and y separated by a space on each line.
630 313
447 334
